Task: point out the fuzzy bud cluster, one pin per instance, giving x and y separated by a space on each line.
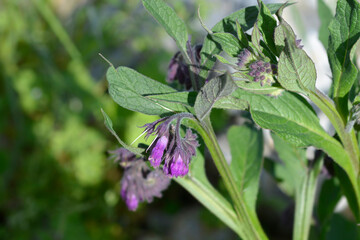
170 147
262 72
139 183
257 69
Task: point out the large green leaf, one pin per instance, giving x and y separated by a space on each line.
133 91
293 119
167 18
329 196
246 144
199 186
245 17
229 43
294 163
212 91
344 33
267 23
325 17
296 71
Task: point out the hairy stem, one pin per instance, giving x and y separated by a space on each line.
249 224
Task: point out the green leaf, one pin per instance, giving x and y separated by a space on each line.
267 24
212 91
246 17
294 163
224 61
169 20
348 190
325 17
246 160
296 71
255 87
293 119
199 186
132 90
109 125
241 35
342 228
228 42
187 99
255 39
230 102
344 33
329 196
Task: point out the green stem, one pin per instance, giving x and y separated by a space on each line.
348 139
249 224
305 198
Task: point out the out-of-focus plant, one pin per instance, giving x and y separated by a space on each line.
271 76
56 181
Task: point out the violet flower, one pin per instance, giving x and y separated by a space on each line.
170 147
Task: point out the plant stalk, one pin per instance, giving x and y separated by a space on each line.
248 222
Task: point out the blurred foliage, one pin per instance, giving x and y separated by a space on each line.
56 181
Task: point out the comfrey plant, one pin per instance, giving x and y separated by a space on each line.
268 74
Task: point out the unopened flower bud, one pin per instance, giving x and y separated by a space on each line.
157 152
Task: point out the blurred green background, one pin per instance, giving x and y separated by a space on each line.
56 180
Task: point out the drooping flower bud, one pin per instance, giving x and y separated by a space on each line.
179 70
177 165
157 151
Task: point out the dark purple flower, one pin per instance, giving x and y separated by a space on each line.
139 183
179 70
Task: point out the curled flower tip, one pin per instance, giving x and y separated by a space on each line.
132 202
157 151
298 43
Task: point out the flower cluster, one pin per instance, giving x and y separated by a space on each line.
139 183
169 146
259 70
